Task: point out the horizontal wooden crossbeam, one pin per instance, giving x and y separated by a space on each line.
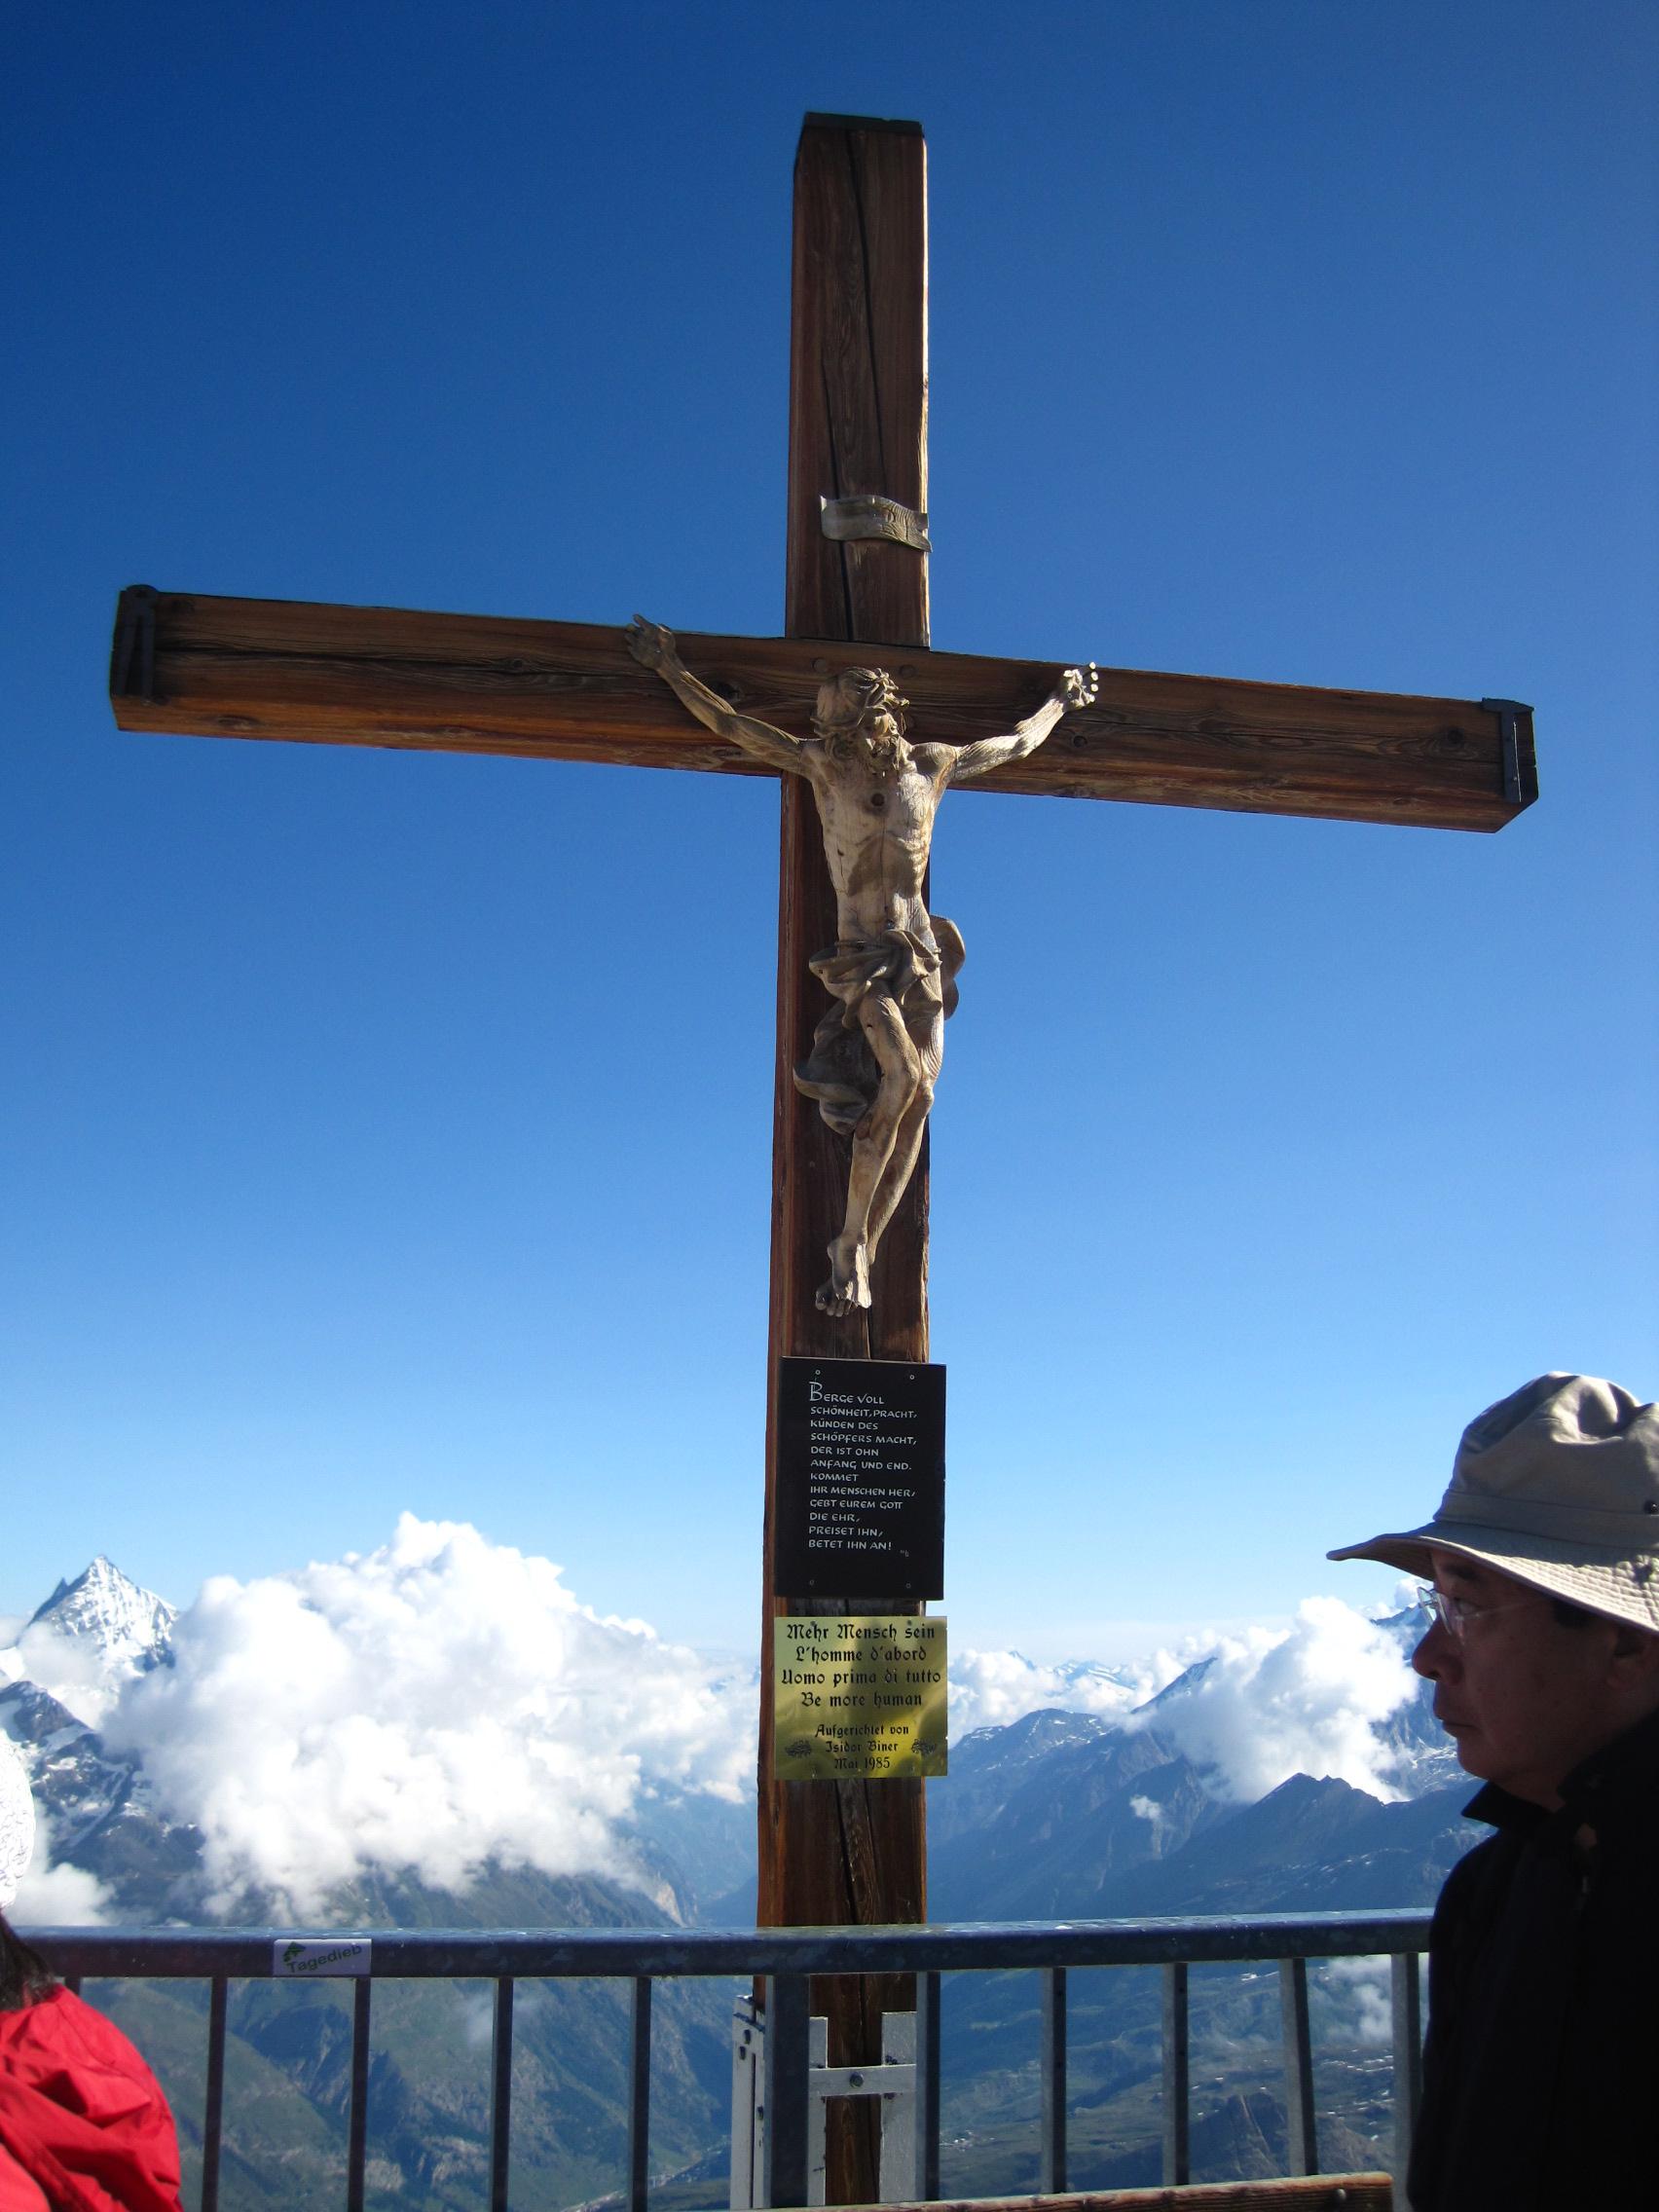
216 667
1312 2192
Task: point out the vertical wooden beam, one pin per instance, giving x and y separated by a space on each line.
858 375
844 1854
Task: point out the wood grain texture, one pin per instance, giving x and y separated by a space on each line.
1315 2193
216 667
858 375
843 1854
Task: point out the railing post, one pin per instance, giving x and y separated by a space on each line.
1053 2166
501 2093
927 2087
785 2158
1406 1992
213 2104
358 2136
1177 2077
640 2094
1300 2126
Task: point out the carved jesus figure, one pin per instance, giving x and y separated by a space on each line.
892 970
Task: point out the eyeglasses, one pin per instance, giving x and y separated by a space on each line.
1455 1613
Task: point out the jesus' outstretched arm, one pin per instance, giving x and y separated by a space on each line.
1076 688
652 646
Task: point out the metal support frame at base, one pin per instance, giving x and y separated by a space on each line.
894 2080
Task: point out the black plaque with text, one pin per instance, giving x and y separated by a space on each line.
861 1479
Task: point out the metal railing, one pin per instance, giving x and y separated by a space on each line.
786 1957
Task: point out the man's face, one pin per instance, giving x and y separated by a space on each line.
1524 1697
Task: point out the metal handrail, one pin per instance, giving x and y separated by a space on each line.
786 1957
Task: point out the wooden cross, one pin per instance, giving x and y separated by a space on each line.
831 1853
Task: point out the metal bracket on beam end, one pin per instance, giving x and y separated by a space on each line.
132 662
1509 713
868 515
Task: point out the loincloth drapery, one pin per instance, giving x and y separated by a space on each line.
917 972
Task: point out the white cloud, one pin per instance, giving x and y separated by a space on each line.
1360 1994
990 1689
56 1896
431 1706
76 1674
477 2018
61 1897
1275 1704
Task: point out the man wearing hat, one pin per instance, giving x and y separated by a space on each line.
1541 2064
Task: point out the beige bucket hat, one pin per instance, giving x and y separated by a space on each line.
1557 1486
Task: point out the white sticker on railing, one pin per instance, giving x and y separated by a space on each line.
338 1955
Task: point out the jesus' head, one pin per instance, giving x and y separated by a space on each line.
863 708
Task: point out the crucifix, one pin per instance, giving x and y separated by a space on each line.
831 1852
892 971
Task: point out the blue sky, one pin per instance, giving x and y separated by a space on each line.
391 1132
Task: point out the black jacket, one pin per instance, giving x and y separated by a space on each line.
1542 2065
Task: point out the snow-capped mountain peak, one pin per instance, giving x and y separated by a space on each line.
91 1636
107 1608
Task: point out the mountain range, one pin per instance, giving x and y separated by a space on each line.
1059 1815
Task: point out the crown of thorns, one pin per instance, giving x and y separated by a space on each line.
854 696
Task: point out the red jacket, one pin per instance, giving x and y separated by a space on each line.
84 2125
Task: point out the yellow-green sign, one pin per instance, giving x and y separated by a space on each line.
858 1696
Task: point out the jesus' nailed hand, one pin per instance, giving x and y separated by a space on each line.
892 971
